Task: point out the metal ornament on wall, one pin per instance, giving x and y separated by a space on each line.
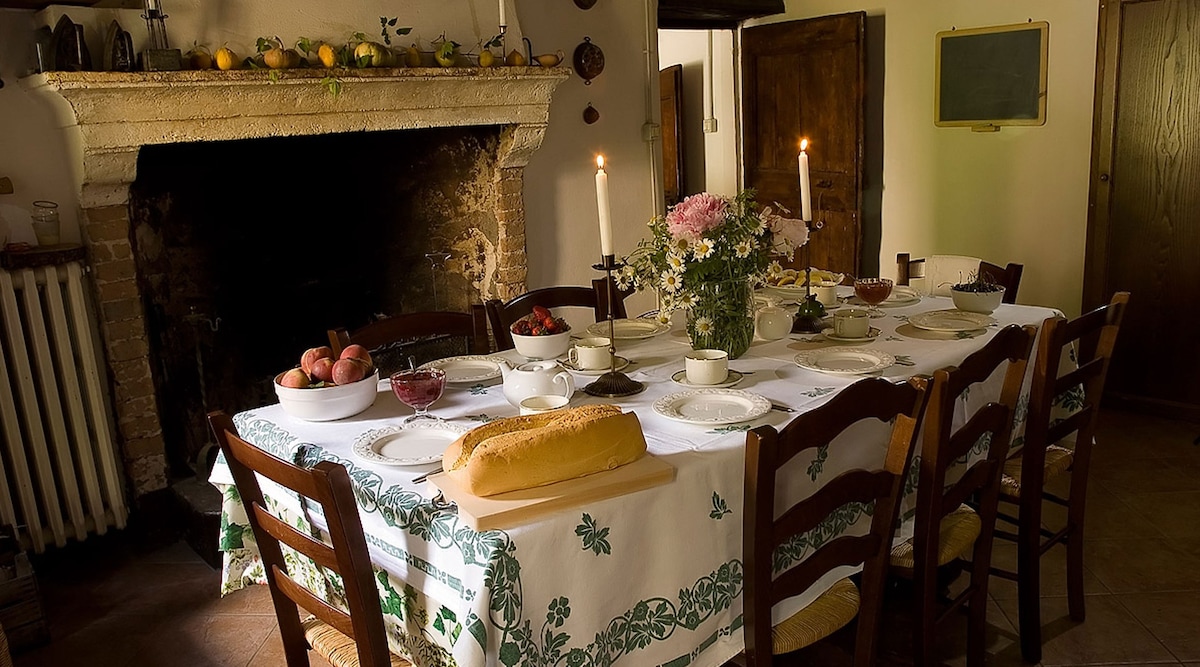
590 115
588 60
585 4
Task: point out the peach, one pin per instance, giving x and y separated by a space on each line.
349 370
356 351
322 369
295 378
312 354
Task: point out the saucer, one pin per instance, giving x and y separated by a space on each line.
622 362
871 335
733 378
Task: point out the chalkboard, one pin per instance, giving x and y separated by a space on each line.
992 76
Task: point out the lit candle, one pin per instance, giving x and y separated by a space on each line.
805 193
603 208
152 5
503 17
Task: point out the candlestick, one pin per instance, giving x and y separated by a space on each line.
805 192
613 383
602 206
503 14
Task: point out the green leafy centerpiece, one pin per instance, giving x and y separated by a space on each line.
706 256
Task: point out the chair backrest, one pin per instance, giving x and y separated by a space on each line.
502 315
1092 336
935 274
346 554
434 334
942 445
767 450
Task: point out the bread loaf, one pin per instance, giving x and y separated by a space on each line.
535 450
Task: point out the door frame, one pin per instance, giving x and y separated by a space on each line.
1095 268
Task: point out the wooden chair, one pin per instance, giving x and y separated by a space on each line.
344 639
503 314
767 451
940 271
1046 454
945 526
437 334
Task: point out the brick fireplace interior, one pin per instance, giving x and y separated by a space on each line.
240 273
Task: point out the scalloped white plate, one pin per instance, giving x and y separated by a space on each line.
467 368
413 444
636 329
845 360
712 407
951 320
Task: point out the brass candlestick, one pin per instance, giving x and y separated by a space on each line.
613 383
811 311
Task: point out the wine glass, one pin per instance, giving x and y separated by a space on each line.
873 291
418 389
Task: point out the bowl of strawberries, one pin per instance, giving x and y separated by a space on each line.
541 335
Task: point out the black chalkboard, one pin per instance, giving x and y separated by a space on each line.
992 76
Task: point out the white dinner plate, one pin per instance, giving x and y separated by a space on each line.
731 379
845 360
871 335
901 296
712 407
468 368
951 320
635 329
413 444
622 362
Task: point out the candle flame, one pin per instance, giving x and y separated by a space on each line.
599 161
803 145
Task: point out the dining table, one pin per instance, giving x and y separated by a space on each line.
649 577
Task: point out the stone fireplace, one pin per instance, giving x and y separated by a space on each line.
118 123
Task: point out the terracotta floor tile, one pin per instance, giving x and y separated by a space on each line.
271 653
1174 618
1174 514
1142 566
96 641
1106 514
224 640
1147 476
1053 573
1109 635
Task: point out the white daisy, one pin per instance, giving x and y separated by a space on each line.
743 249
680 246
702 248
774 270
704 325
675 263
671 281
687 300
663 317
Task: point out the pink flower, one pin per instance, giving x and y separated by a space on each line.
695 215
787 234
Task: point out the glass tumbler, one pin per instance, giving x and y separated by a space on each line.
45 222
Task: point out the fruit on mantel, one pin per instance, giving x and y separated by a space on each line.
281 58
412 57
373 54
318 368
226 59
327 54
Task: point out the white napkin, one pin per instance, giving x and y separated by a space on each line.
19 225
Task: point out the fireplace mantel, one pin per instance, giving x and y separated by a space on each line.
107 117
111 115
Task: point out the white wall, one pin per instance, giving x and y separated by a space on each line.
563 240
1019 195
712 159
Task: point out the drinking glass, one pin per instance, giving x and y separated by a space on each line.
873 291
418 389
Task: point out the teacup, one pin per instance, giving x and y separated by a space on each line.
706 366
539 403
590 353
851 323
826 293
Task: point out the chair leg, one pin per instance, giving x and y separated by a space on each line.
1029 591
924 629
1075 575
977 609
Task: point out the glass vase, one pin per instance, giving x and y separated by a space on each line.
722 317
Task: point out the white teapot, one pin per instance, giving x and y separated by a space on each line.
772 322
535 378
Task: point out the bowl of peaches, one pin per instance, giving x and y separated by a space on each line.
541 335
324 387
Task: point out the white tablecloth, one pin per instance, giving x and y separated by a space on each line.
647 578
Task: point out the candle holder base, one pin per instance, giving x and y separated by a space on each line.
614 384
809 316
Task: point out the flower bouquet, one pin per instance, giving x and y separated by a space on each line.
707 255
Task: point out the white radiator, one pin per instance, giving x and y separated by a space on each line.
59 475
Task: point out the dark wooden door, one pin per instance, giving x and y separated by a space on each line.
1144 221
804 79
671 98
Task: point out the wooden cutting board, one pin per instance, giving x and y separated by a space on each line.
514 508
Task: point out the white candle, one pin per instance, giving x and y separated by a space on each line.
152 5
603 208
805 193
503 17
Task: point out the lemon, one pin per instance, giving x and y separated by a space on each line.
227 59
327 55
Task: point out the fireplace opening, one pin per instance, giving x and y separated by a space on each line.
248 251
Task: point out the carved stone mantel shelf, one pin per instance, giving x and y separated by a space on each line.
110 115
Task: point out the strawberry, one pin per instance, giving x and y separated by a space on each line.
541 312
549 323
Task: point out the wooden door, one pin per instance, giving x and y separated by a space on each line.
1144 220
804 79
671 99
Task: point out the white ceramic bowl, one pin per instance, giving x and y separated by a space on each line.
977 302
328 403
552 346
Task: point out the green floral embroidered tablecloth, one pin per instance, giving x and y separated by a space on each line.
648 578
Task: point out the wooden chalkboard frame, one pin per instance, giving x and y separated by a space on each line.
991 33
